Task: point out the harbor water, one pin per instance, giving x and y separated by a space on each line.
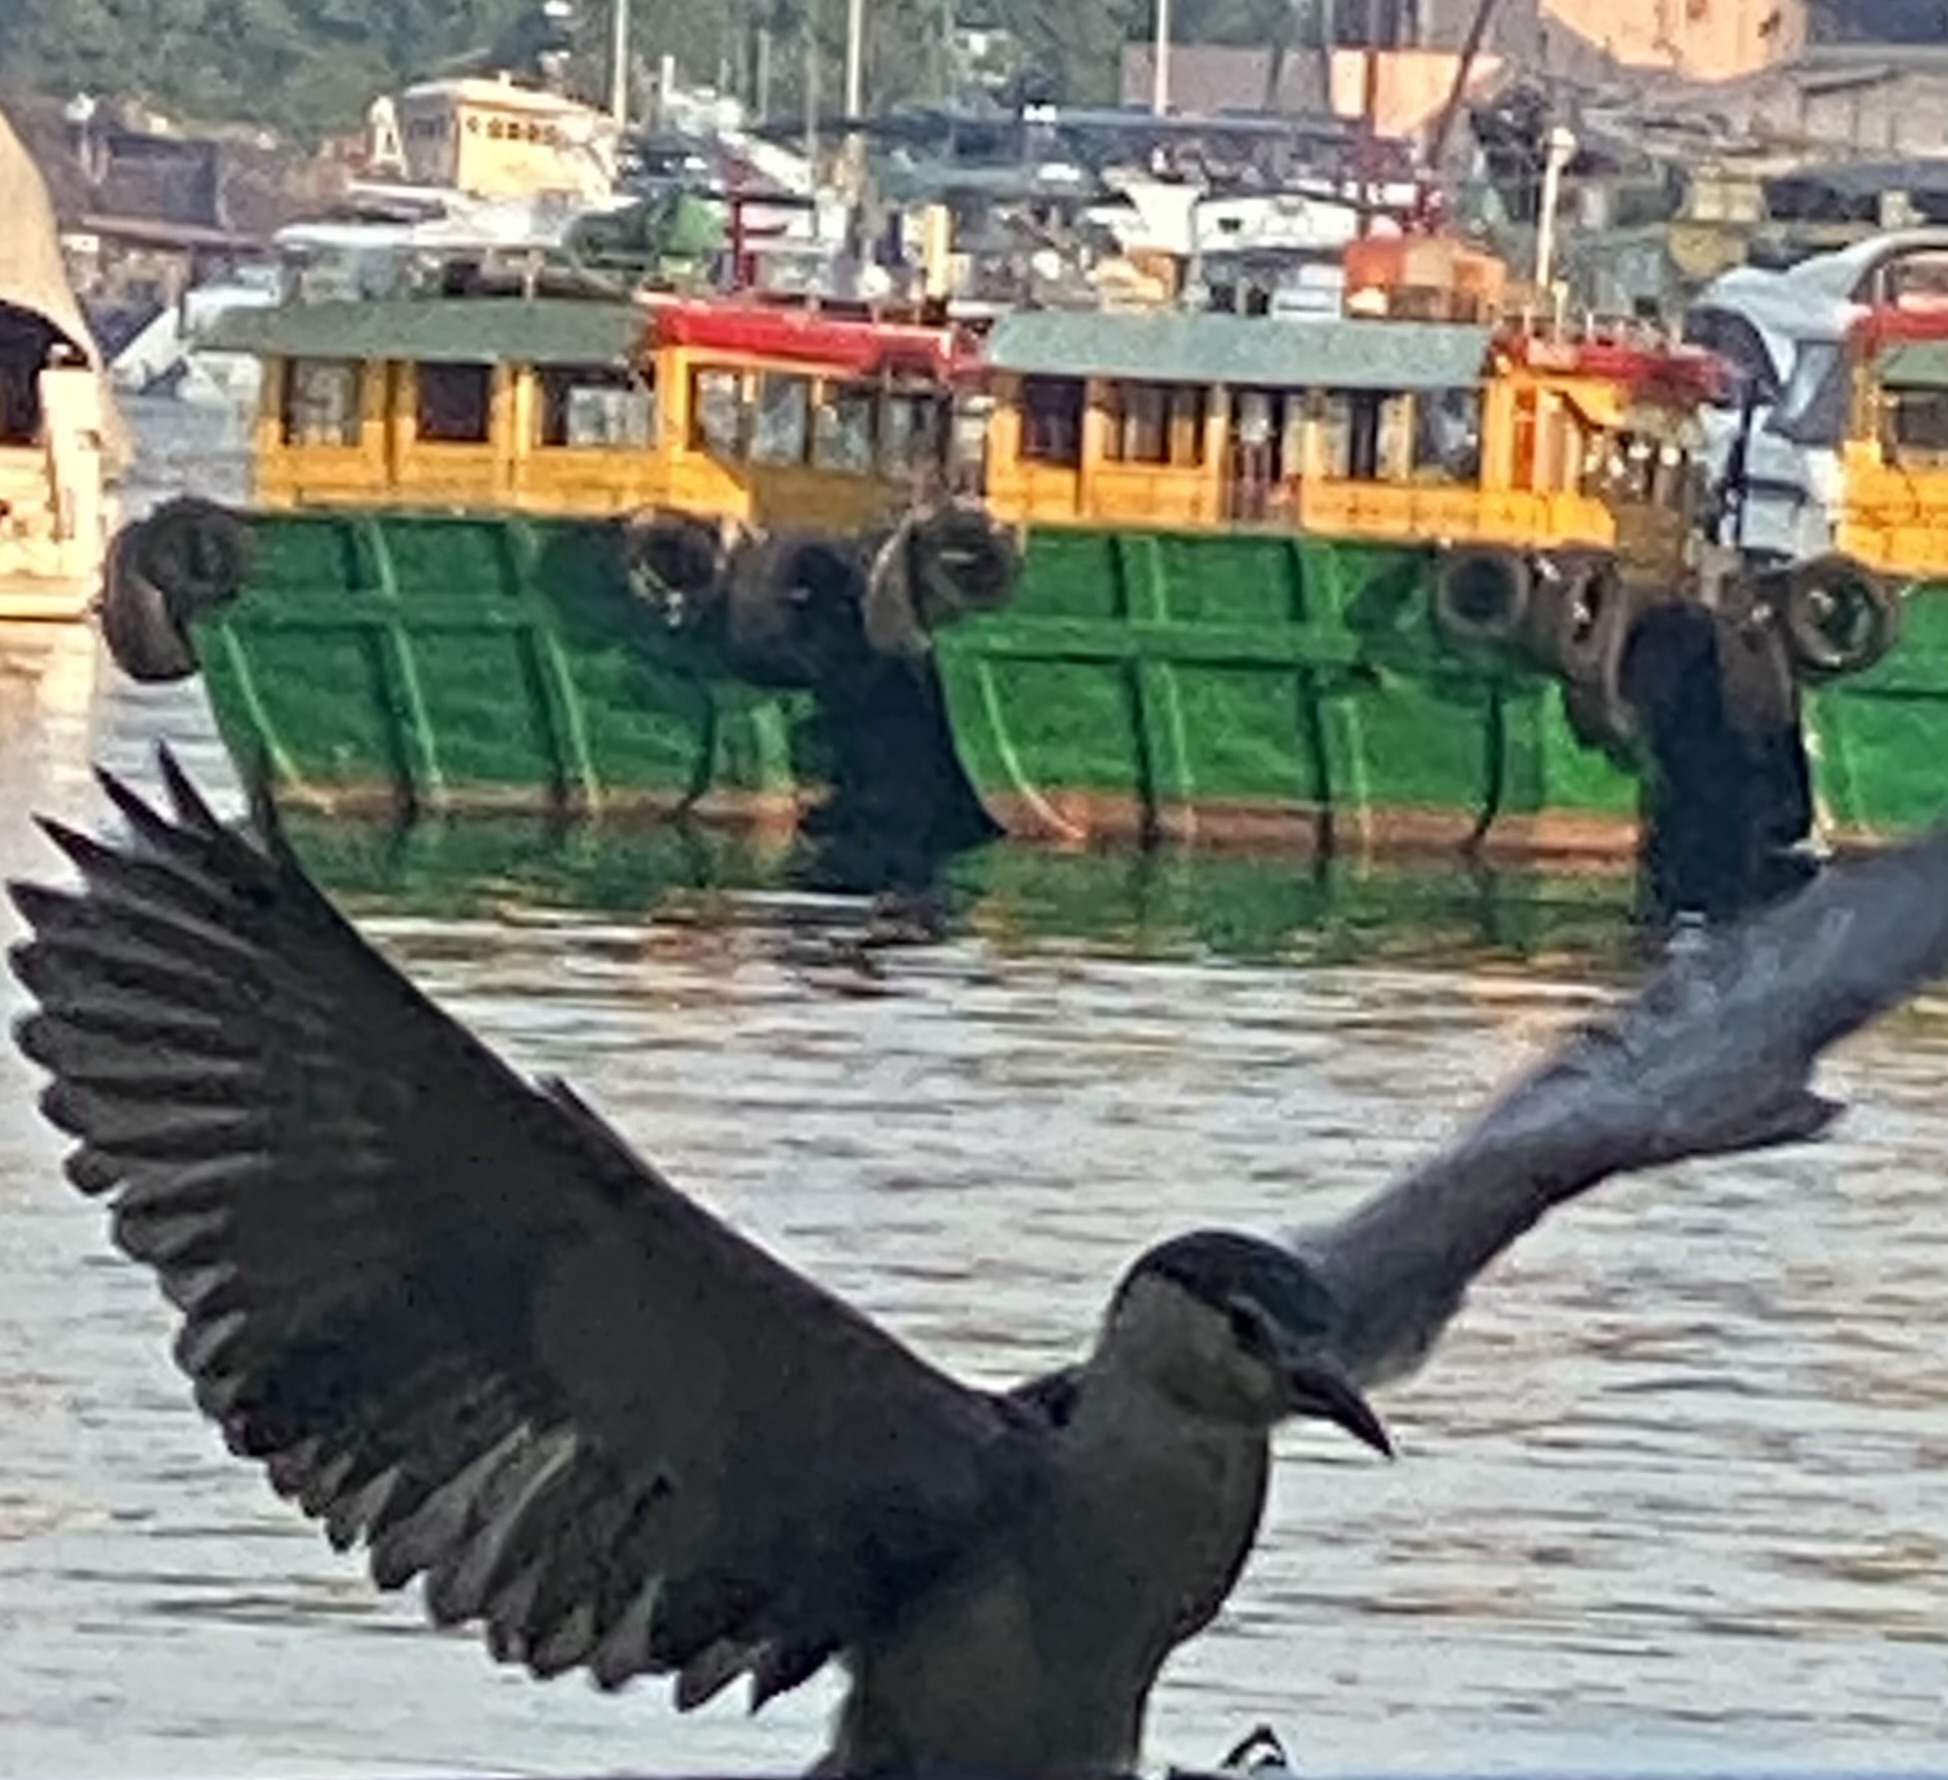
1672 1496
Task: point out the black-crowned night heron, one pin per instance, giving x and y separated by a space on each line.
458 1319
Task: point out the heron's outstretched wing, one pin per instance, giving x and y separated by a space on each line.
452 1313
1714 1055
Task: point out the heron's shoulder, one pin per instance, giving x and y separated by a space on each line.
1043 1405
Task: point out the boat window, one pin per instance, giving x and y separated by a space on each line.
321 402
594 405
1139 429
966 450
717 411
1154 423
1915 424
1051 420
1350 428
1621 469
842 435
1447 435
911 434
781 418
1189 406
456 404
1332 414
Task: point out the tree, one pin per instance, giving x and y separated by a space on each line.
306 65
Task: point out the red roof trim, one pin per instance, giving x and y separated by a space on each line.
1892 323
1681 373
805 336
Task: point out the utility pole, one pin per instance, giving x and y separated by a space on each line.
1328 44
811 92
855 99
1369 137
619 62
855 57
1160 62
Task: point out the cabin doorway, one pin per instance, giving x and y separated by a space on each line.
1254 459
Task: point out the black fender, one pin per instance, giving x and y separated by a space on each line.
1578 614
676 563
188 558
962 562
196 553
1481 594
792 608
933 569
1838 616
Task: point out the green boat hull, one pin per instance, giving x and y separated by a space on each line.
1250 687
426 662
1231 689
1878 740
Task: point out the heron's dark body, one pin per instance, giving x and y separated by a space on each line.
1130 1531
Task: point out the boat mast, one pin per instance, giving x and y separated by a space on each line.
855 99
1160 62
1369 135
619 63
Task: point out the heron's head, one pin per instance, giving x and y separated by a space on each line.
1237 1330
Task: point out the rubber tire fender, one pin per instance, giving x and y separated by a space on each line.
1481 594
143 636
194 552
1839 617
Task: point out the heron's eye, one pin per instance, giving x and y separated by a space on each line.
1248 1328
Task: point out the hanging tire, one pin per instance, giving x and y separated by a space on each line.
1590 616
1578 613
930 571
144 639
195 553
1838 616
1481 595
961 562
675 563
792 614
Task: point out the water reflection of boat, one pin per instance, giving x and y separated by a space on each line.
60 442
1145 905
51 684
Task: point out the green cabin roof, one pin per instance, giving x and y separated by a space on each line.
440 330
1240 350
1914 364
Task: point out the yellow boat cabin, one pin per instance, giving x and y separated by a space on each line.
1460 432
585 407
1892 511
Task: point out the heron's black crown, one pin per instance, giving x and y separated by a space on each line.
1219 1265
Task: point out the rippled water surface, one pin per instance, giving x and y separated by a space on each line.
1674 1493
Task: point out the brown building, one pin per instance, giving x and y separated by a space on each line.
1578 40
1706 40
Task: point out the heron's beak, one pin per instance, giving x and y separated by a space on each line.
1320 1387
